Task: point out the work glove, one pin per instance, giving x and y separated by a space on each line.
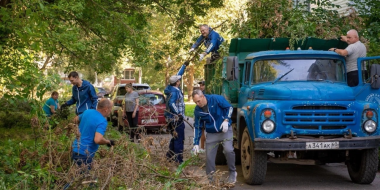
180 117
186 63
201 56
195 150
224 126
191 50
64 105
112 143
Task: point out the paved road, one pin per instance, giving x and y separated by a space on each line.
288 176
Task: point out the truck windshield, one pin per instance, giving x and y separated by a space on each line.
302 70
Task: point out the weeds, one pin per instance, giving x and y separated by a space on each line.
43 161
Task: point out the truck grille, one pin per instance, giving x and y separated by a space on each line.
319 108
319 117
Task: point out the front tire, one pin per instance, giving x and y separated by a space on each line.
253 163
362 165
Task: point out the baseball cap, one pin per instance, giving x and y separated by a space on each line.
202 82
174 79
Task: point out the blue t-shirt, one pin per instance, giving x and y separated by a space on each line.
48 103
91 121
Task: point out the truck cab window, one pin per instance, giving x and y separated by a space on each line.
304 70
366 69
247 73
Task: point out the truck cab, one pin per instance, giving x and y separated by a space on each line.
294 106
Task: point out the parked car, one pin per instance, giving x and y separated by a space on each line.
101 92
117 97
151 109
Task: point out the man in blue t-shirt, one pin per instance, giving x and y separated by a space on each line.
92 128
51 105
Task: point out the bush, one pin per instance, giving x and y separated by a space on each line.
47 164
11 119
14 113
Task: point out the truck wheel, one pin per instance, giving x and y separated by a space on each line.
253 163
220 158
362 165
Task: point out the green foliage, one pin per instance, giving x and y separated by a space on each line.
274 19
93 33
38 158
370 11
13 163
14 113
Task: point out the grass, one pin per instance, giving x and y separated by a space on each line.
189 110
24 135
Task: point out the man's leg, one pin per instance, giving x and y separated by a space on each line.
228 150
79 159
170 153
352 78
212 145
179 141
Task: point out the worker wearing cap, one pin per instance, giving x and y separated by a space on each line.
202 86
174 114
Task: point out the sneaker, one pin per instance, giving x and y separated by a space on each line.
232 177
201 151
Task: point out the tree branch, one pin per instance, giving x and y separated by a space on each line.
46 61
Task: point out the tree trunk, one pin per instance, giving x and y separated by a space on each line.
190 81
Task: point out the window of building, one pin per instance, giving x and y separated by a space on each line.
129 74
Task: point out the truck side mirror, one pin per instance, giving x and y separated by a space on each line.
232 68
375 76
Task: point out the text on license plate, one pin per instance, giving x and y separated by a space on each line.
322 145
146 121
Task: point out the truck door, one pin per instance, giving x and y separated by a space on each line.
245 84
368 88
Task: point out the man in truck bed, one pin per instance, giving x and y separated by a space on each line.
354 50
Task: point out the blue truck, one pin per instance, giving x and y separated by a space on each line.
294 106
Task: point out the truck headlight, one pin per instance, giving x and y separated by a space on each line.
369 126
268 126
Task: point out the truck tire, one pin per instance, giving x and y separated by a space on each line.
362 165
220 158
253 163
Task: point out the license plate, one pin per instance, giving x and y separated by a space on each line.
322 145
147 121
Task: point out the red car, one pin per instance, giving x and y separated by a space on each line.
151 109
